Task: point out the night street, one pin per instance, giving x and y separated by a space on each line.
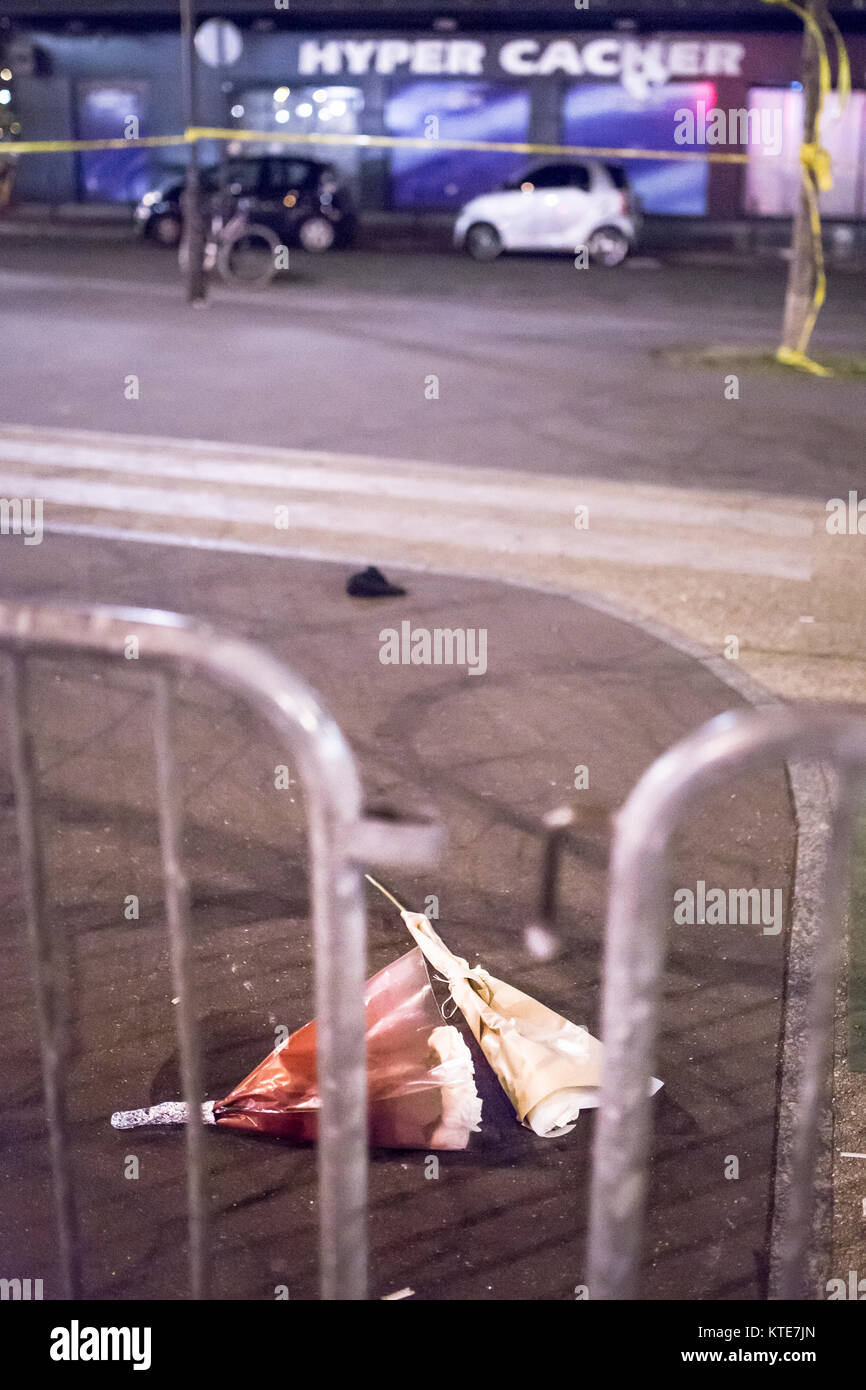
499 773
541 409
531 358
433 667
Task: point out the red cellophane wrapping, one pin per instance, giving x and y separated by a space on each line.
420 1075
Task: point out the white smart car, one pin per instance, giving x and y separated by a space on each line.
554 207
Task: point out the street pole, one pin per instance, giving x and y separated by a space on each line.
193 231
221 175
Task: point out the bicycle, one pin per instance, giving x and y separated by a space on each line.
242 252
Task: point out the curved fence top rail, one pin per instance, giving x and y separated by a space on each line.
638 914
171 639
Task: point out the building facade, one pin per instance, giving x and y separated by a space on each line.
606 79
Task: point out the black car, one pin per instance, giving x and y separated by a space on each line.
302 200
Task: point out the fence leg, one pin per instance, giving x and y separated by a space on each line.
340 939
49 973
177 918
639 908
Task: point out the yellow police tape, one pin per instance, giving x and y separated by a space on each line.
816 172
814 159
70 146
410 142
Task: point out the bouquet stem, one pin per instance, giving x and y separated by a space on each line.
170 1112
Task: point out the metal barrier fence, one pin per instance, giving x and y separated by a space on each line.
341 838
638 912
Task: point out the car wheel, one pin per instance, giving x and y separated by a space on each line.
482 242
608 247
166 230
316 234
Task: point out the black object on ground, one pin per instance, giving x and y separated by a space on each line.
371 583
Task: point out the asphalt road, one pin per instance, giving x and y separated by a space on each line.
565 684
538 367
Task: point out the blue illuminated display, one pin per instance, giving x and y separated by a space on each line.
602 114
456 111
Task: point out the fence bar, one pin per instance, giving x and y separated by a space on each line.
177 920
340 837
540 936
638 914
49 976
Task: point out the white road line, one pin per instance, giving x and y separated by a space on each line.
460 531
189 466
541 520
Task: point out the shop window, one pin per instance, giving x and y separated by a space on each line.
437 178
773 181
104 111
291 109
604 114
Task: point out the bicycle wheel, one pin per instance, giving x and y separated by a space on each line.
247 257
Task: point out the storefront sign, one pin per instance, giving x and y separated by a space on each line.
637 63
219 43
